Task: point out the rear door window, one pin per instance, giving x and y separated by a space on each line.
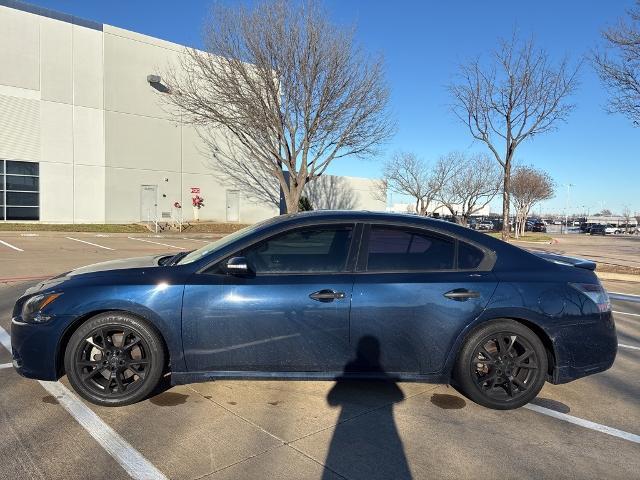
398 249
469 257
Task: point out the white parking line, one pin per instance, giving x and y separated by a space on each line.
197 240
626 313
157 243
11 246
622 293
628 346
5 365
625 297
89 243
584 423
122 452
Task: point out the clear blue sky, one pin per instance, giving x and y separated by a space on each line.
423 42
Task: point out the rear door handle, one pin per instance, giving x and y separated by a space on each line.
326 295
461 294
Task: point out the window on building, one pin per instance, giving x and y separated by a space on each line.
19 190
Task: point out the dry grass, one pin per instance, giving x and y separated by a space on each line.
75 227
212 227
528 237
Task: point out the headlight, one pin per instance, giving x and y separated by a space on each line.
32 308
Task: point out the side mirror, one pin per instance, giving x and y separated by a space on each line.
237 266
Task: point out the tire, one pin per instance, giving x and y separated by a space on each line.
501 365
114 359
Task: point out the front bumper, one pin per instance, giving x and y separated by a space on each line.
34 348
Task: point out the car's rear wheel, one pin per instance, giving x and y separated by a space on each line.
114 359
502 365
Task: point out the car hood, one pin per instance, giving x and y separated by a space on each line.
150 261
124 263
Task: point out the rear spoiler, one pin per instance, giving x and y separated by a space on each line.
563 260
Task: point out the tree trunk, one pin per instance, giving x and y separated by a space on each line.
292 198
506 186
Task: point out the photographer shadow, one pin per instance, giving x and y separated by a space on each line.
369 448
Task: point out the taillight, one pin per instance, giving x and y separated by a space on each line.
596 293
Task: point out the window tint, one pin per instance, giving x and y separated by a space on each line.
396 249
20 199
469 256
22 168
306 250
19 187
22 213
15 182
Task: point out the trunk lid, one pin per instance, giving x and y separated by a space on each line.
565 260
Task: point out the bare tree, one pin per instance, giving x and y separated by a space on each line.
468 183
528 187
406 174
517 95
605 212
279 94
627 214
618 65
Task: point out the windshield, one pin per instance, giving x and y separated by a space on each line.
222 242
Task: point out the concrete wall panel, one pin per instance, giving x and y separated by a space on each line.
88 71
19 128
133 141
19 49
56 70
56 132
88 136
123 192
127 63
56 192
89 194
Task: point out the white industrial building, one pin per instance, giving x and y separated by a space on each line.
84 136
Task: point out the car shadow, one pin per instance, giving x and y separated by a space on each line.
370 448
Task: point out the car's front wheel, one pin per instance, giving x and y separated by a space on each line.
502 365
114 359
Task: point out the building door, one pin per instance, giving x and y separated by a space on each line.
148 203
233 206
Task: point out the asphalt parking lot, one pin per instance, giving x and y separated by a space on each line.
589 428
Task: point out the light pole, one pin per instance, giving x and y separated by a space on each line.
566 208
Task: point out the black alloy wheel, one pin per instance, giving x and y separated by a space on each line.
114 359
502 365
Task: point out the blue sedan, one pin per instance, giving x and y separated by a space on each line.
323 295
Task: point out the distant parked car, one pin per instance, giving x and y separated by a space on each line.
613 230
485 226
597 229
539 227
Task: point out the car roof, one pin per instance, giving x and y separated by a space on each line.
385 217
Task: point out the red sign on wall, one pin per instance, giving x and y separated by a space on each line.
195 189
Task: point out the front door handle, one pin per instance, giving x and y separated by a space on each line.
461 294
326 295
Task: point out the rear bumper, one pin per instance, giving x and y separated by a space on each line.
584 349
